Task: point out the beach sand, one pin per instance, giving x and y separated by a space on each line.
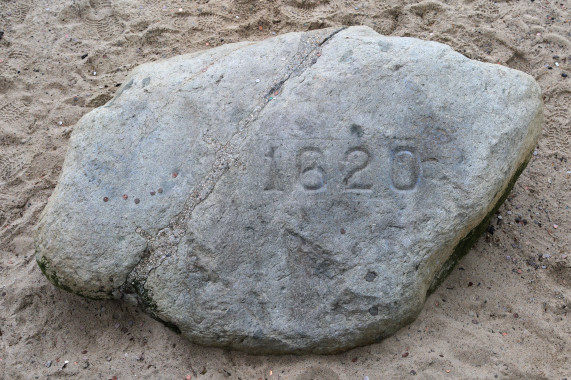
504 312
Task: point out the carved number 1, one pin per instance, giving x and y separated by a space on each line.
274 180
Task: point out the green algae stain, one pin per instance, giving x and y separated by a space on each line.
470 239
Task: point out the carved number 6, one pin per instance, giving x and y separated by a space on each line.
311 174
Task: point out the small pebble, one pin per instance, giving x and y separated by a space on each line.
153 193
257 81
105 199
125 196
160 190
564 75
137 200
49 363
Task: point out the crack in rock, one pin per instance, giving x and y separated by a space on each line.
166 242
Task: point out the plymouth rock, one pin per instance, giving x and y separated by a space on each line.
301 194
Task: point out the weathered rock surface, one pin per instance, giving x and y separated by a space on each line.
299 194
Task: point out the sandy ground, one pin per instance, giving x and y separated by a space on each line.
505 311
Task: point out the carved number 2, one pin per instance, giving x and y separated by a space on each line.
358 158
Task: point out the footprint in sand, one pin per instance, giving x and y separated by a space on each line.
19 10
318 373
15 59
101 21
558 125
183 21
486 9
11 164
309 10
13 112
210 22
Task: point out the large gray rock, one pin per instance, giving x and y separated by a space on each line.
299 194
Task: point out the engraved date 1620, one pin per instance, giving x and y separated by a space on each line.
405 169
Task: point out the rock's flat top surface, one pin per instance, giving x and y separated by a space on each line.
300 194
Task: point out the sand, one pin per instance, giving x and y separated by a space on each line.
504 312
